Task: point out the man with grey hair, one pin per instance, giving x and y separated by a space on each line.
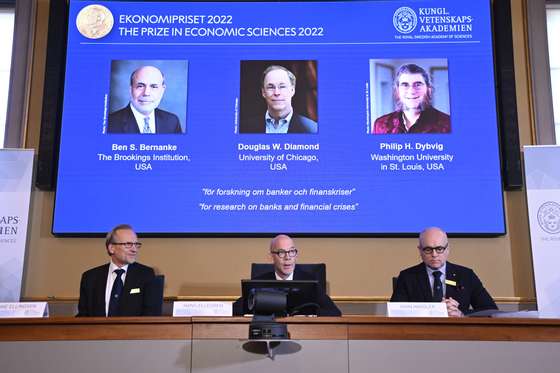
437 280
412 89
283 255
121 287
147 86
278 86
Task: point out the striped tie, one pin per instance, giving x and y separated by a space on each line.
146 125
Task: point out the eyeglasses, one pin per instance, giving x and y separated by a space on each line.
128 245
286 253
437 249
271 88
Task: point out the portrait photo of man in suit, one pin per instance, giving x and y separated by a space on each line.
122 287
277 90
142 113
437 280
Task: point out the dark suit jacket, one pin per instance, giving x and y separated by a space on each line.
123 121
413 285
138 276
326 305
298 124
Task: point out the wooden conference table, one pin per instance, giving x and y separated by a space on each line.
219 344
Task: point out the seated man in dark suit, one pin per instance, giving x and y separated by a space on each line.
283 254
437 280
278 88
147 86
122 287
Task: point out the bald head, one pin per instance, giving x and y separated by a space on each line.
280 248
147 86
281 241
432 235
429 242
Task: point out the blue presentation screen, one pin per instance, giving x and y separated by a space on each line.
339 117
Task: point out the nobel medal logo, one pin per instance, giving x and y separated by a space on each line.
548 217
94 21
405 20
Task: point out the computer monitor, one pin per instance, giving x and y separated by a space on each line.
301 297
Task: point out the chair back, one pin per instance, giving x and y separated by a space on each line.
319 270
154 292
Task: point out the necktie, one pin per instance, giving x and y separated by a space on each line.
116 294
146 125
438 288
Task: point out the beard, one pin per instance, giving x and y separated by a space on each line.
421 106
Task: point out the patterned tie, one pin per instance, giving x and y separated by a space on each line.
116 294
438 287
146 125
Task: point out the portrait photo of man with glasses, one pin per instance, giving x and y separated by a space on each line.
404 99
122 287
437 280
278 110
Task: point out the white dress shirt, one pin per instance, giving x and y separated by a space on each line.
140 120
289 278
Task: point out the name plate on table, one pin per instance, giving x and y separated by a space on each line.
202 309
416 309
24 309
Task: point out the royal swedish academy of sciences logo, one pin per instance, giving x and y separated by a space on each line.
94 21
548 217
405 20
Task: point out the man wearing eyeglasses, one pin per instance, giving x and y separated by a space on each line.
121 287
437 280
278 88
283 254
412 89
